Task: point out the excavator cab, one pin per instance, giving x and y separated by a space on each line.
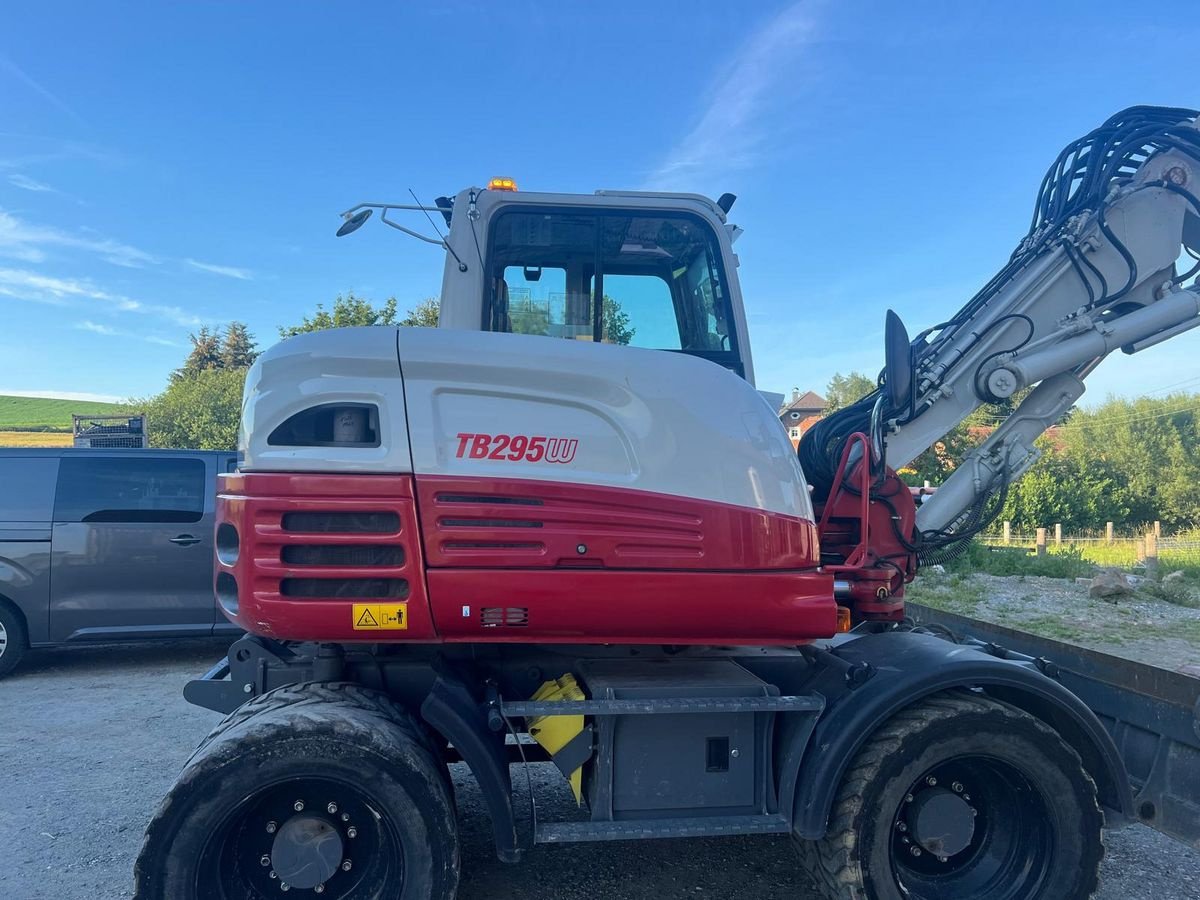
651 270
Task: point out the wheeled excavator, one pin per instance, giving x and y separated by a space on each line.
564 528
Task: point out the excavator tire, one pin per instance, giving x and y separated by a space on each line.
961 796
327 787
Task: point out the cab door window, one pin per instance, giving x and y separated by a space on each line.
647 280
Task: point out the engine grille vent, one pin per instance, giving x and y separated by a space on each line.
341 522
490 499
343 555
344 588
504 616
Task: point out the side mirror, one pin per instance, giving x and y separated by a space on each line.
353 223
898 369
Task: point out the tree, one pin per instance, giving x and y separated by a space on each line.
844 390
528 317
205 352
199 410
615 323
423 315
231 347
347 311
238 349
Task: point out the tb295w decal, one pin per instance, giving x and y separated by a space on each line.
516 447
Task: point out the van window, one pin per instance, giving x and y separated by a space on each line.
136 489
28 492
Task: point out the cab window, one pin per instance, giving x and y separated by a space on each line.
645 280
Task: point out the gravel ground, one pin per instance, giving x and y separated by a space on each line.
1138 627
91 738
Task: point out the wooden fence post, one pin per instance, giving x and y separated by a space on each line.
1057 534
1041 542
1007 532
1151 553
1108 532
1157 528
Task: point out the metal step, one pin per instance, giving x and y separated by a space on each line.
658 706
696 826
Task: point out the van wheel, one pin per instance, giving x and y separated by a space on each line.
961 796
13 639
329 789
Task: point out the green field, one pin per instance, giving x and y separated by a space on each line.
45 414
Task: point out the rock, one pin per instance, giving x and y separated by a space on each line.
1086 582
1173 576
935 569
1110 584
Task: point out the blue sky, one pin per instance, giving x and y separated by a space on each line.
164 166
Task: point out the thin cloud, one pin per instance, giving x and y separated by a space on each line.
729 132
18 73
96 328
227 271
28 242
109 331
26 183
21 284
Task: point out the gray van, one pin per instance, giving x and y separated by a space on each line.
99 545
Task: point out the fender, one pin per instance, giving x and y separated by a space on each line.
867 680
459 718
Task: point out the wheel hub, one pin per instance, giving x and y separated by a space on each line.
307 851
941 822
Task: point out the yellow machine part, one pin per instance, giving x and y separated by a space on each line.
555 732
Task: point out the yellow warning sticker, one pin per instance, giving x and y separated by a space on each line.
380 616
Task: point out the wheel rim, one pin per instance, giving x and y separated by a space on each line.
3 638
972 827
322 834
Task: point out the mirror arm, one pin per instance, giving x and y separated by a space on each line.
438 242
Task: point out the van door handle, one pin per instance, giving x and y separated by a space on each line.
184 540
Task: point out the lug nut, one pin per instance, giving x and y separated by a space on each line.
271 827
351 832
298 806
284 886
346 864
331 808
903 827
265 861
908 798
915 851
273 874
943 859
345 817
957 787
931 781
974 811
319 889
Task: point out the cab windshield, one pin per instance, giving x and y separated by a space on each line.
659 276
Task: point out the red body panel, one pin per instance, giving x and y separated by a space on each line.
597 606
256 505
506 522
519 561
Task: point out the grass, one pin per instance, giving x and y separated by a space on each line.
47 414
35 439
955 593
1065 562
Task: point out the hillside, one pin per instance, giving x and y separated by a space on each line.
46 414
